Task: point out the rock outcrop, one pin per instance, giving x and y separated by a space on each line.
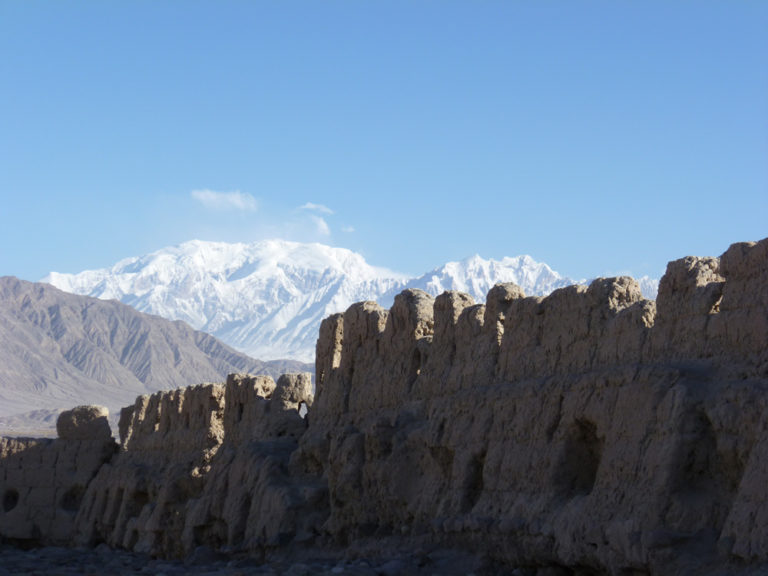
591 431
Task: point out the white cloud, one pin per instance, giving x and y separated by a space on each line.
226 200
348 229
321 225
316 208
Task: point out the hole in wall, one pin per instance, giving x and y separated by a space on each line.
10 499
414 370
708 472
577 469
138 500
72 498
472 485
303 409
716 306
697 466
416 362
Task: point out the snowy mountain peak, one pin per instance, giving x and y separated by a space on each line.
268 298
476 276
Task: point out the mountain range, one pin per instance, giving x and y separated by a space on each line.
268 298
59 350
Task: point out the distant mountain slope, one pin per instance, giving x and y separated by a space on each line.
58 350
268 298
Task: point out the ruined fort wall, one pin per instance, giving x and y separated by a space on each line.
42 481
198 466
590 428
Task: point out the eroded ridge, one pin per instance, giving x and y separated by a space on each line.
591 430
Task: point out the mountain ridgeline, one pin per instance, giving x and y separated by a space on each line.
269 298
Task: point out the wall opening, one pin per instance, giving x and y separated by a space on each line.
135 503
707 472
472 484
576 471
72 498
10 499
414 369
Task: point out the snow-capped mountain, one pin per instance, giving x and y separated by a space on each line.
476 276
649 287
269 297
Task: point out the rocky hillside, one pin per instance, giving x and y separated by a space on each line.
58 350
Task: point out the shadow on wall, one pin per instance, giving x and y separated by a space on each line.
43 481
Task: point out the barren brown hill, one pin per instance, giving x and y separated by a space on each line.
58 350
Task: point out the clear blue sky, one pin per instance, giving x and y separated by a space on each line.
599 137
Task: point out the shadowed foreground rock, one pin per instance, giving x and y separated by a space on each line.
588 432
42 481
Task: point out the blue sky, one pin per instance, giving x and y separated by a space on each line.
599 137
